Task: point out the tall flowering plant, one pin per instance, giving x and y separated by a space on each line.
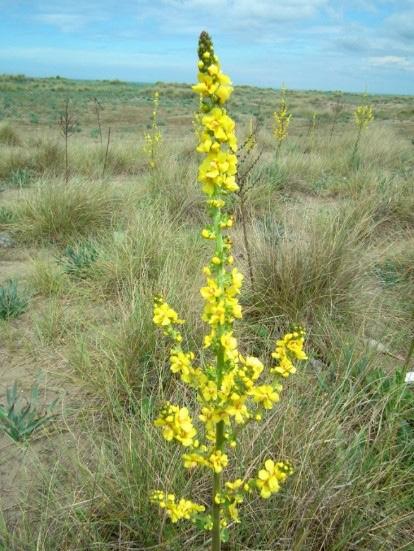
232 389
281 119
363 115
153 138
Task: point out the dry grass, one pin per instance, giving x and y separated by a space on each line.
53 212
8 135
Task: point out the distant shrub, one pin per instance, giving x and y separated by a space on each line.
8 135
17 78
12 303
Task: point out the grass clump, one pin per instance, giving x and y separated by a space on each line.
8 135
12 302
57 213
311 266
47 278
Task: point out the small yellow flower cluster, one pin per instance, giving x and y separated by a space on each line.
363 116
231 497
176 425
281 120
232 389
153 138
184 509
167 318
288 349
269 479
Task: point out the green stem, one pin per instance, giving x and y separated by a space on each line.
409 354
217 477
279 144
217 480
356 144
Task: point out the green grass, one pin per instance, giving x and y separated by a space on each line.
332 248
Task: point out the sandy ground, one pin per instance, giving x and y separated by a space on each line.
23 465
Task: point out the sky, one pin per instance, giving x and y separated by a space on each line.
349 45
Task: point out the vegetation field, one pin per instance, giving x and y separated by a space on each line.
88 239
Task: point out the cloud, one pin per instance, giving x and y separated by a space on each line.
92 57
392 62
264 10
65 22
401 25
316 43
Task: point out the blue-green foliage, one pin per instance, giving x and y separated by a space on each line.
21 417
12 303
78 259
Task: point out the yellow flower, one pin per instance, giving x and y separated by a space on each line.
233 511
290 346
191 460
208 339
237 408
228 341
281 119
176 424
363 116
284 368
221 126
181 363
268 479
234 486
184 509
253 366
211 291
227 383
212 415
209 391
265 395
236 283
207 234
164 315
229 344
217 171
215 313
216 203
218 460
